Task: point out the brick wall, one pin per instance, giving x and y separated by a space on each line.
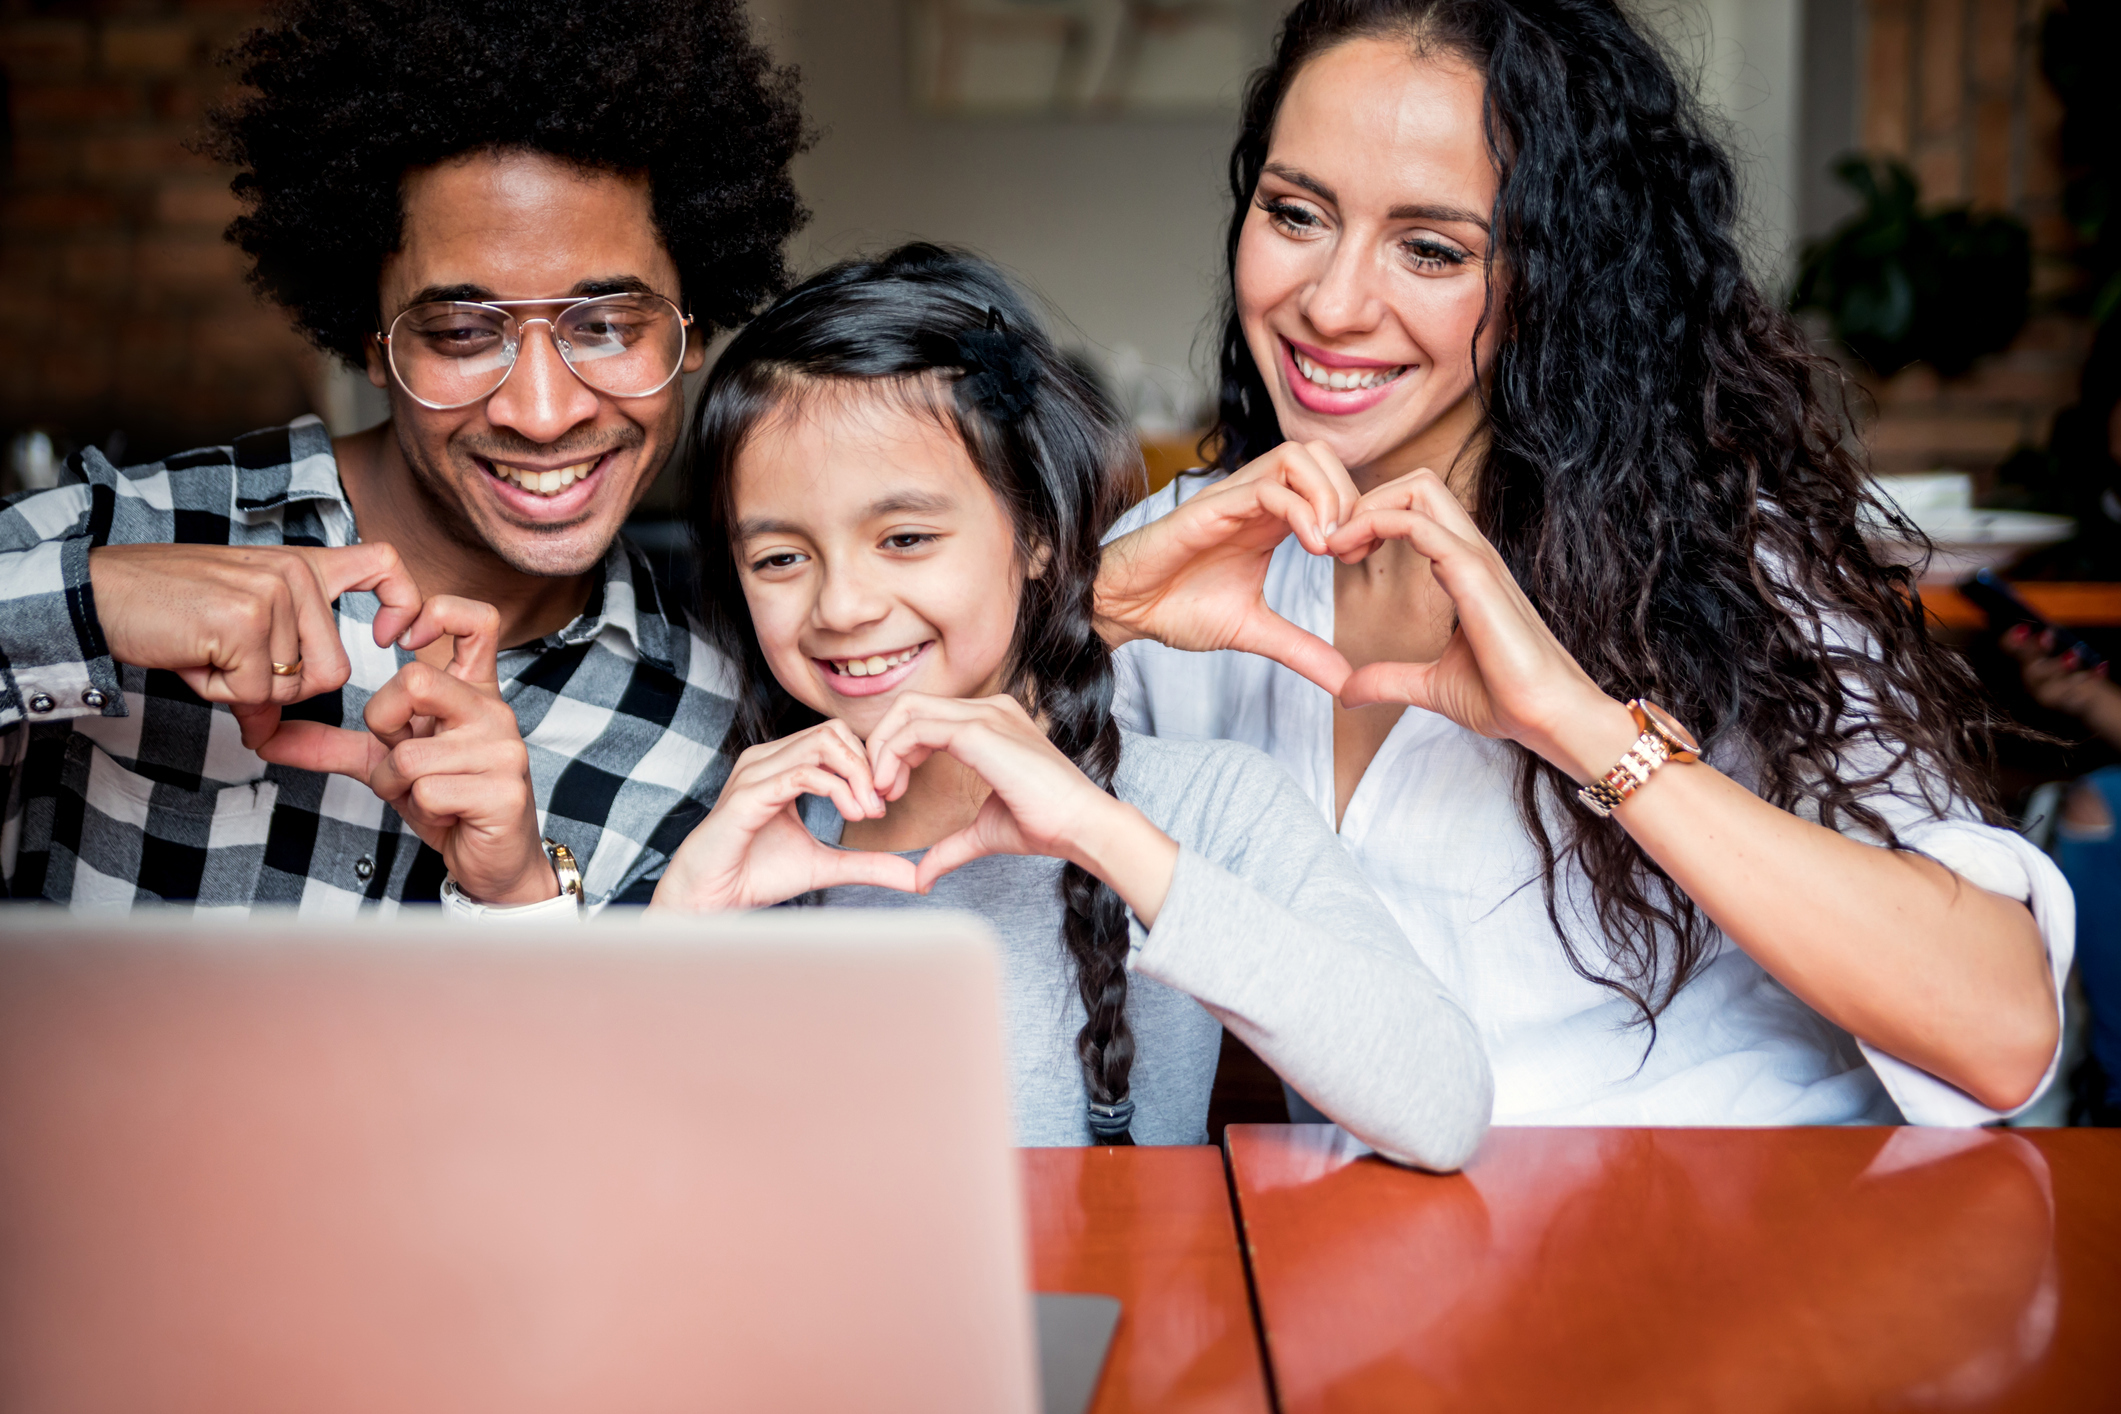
130 311
1953 87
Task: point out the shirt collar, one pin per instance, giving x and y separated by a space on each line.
277 466
628 600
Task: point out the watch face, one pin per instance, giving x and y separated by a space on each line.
1670 728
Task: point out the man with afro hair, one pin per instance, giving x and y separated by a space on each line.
417 662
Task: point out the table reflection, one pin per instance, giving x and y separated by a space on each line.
1654 1269
1153 1227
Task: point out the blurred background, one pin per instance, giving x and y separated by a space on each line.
1927 181
1079 142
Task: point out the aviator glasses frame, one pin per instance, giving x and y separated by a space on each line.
567 305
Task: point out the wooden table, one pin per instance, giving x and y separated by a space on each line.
2089 605
1647 1269
1151 1226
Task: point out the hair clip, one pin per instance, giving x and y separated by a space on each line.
1000 372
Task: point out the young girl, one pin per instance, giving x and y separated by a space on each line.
902 488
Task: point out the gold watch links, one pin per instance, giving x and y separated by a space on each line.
1662 740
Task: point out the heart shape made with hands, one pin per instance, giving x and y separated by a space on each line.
400 711
1503 673
1195 577
1038 803
444 750
753 849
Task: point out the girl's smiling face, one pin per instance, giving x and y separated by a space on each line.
874 556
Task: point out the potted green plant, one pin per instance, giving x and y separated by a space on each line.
1899 284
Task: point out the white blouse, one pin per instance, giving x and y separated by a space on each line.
1434 825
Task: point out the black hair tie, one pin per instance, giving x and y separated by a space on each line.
1000 372
1109 1123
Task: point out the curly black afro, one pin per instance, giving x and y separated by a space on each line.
350 94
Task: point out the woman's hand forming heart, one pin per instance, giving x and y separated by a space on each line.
753 849
1503 674
1193 578
1040 802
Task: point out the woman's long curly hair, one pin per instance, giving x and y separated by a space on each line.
1667 468
1064 468
347 95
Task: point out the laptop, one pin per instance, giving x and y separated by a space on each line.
754 1162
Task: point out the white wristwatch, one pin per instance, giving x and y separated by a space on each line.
570 902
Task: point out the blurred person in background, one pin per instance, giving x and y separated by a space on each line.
524 222
2086 452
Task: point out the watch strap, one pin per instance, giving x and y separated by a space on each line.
566 871
1629 774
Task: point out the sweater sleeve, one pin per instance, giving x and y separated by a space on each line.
1270 926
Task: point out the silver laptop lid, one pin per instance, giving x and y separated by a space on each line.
746 1163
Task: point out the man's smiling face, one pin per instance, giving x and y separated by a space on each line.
516 226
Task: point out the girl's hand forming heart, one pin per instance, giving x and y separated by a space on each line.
1193 578
1041 803
753 849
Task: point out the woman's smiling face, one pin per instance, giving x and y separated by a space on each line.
874 556
1362 265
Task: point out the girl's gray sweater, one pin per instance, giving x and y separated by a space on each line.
1269 929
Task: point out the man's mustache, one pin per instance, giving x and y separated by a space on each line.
569 449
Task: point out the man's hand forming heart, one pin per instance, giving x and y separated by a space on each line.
444 751
220 616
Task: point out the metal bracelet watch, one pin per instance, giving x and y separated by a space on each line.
1662 740
565 870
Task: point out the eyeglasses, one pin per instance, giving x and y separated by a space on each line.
451 353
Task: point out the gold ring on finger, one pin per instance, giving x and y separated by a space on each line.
287 670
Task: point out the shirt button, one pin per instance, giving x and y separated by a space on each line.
41 702
94 698
364 868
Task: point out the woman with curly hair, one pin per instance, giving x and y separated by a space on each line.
1508 437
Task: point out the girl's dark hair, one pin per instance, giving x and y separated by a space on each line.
948 333
1666 466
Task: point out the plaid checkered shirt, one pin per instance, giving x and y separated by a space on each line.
122 786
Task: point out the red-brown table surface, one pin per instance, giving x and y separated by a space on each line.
1151 1226
2077 605
1670 1269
